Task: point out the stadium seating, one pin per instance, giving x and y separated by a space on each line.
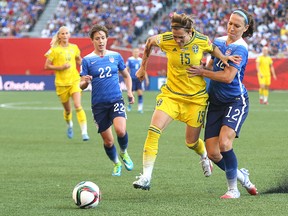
19 16
131 21
124 19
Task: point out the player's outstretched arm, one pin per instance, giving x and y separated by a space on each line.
218 54
128 83
151 41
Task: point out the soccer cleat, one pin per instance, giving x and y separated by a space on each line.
231 194
247 184
141 111
85 137
117 169
261 101
141 183
207 166
128 163
129 108
266 103
70 132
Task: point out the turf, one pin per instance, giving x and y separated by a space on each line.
40 166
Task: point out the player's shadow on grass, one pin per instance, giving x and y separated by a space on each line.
281 188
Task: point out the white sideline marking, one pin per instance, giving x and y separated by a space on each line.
23 106
37 106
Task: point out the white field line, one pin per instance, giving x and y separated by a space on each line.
40 106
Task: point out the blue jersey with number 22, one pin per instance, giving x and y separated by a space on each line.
105 81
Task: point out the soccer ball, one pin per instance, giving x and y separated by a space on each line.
86 194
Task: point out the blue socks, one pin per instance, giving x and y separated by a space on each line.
123 142
231 164
112 153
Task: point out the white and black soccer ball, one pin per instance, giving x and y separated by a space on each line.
86 194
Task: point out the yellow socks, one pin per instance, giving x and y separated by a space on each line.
198 147
150 150
82 120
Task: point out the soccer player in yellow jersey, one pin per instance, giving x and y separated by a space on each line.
63 58
181 98
264 66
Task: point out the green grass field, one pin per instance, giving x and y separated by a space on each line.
40 166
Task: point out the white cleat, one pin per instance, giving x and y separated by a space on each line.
231 194
247 184
141 183
207 166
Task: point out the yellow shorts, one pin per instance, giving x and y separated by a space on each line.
188 109
264 80
65 92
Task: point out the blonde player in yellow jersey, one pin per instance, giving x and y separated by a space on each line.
181 98
264 66
63 58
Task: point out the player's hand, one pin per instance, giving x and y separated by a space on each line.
140 74
234 58
194 70
147 82
66 66
260 75
88 78
131 98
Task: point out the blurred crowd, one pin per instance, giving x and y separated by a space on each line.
125 19
19 16
211 17
128 19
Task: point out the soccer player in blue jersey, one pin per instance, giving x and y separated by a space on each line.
133 64
101 68
228 101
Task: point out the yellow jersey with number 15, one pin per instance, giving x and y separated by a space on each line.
179 59
60 55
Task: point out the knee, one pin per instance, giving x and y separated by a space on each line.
120 132
108 141
215 156
108 144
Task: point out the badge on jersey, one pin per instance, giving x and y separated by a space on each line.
158 39
111 59
195 48
228 52
159 102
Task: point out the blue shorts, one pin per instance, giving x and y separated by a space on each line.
136 84
231 114
104 113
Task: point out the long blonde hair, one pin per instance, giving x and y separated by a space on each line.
55 40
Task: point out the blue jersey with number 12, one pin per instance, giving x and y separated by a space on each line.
104 70
220 92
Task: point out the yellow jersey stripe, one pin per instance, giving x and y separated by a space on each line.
201 92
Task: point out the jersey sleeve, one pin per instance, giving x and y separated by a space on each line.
208 46
50 54
243 52
121 64
162 39
257 59
84 67
77 51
